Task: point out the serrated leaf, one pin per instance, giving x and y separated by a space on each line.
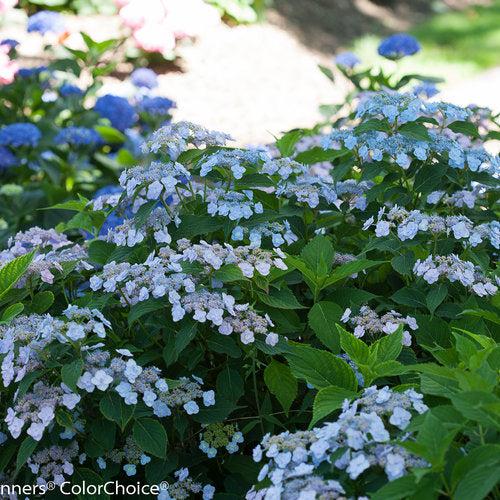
26 449
114 408
320 368
11 312
137 311
71 372
322 318
11 272
280 299
328 400
151 437
281 383
435 296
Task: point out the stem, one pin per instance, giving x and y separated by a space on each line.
257 402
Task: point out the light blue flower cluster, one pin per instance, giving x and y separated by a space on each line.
219 435
234 205
235 160
360 439
46 21
347 60
20 134
144 78
78 137
398 45
279 233
117 110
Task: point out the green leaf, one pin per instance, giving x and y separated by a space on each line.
196 225
388 347
286 144
229 273
357 350
482 407
12 272
320 368
410 297
26 449
322 318
463 127
318 255
328 400
428 178
436 296
151 437
475 475
280 299
224 345
318 154
185 335
100 251
114 408
140 309
71 373
110 134
229 385
11 312
415 130
42 301
102 437
281 383
403 264
89 477
398 489
346 270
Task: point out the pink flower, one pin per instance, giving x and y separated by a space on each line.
137 13
8 68
155 37
5 5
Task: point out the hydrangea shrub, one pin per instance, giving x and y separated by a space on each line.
313 319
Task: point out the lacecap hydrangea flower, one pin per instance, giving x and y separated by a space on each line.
117 110
156 106
20 134
46 21
398 45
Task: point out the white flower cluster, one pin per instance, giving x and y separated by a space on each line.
54 463
220 435
176 138
58 250
102 371
235 205
362 434
214 256
408 223
452 268
279 233
37 409
156 181
185 487
129 233
24 339
368 322
459 199
138 282
235 160
221 310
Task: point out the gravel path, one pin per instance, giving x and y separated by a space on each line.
260 80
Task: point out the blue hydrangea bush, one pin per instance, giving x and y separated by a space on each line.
313 319
59 138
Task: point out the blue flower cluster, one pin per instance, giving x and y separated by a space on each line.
156 106
144 77
68 89
117 110
347 60
78 136
398 45
20 134
46 21
7 159
29 72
